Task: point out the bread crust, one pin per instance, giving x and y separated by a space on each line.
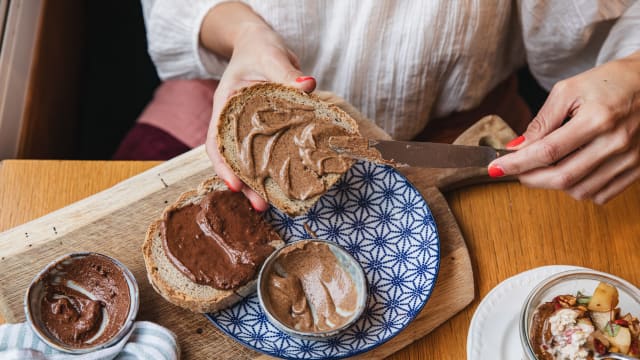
174 286
227 140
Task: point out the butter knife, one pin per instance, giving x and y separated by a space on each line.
415 153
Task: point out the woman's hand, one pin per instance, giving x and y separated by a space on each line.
256 54
596 154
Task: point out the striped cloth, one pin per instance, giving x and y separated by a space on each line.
146 341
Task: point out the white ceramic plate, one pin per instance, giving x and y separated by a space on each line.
383 221
494 332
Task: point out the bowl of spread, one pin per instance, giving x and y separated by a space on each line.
312 289
579 314
82 302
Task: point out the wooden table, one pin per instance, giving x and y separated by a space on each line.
508 229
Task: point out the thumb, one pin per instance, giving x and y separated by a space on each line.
550 117
286 70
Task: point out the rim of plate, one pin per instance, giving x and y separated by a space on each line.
478 318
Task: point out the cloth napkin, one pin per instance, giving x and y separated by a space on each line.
147 341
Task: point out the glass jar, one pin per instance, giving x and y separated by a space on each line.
569 283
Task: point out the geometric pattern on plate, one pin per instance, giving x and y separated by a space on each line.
384 222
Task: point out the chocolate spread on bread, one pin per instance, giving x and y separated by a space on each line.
309 290
288 143
220 242
86 301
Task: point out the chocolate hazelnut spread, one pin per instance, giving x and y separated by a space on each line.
539 332
309 290
357 147
219 242
288 143
86 301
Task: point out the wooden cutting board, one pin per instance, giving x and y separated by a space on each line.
114 222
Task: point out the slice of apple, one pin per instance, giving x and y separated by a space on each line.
622 340
604 298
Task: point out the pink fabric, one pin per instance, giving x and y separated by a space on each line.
182 108
147 142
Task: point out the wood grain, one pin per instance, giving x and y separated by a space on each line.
96 224
508 229
26 185
114 222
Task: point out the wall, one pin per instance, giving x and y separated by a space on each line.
20 21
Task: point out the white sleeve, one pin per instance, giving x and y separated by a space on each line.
624 37
564 38
173 29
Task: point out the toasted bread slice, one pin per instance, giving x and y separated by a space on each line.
173 285
228 142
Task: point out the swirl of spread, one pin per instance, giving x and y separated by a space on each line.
86 301
219 242
288 143
309 290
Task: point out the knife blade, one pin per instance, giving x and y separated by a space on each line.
415 153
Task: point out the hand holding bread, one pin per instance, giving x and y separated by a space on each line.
200 255
276 139
267 138
247 36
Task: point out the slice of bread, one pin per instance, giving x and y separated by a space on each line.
173 285
228 142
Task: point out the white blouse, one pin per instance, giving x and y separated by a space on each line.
404 62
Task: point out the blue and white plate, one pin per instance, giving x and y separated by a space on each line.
384 222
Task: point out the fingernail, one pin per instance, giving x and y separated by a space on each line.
304 78
231 187
495 171
515 142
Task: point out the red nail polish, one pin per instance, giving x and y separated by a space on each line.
304 78
230 187
515 142
495 171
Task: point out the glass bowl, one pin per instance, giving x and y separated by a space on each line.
570 282
344 260
36 291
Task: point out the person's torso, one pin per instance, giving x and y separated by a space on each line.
402 62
